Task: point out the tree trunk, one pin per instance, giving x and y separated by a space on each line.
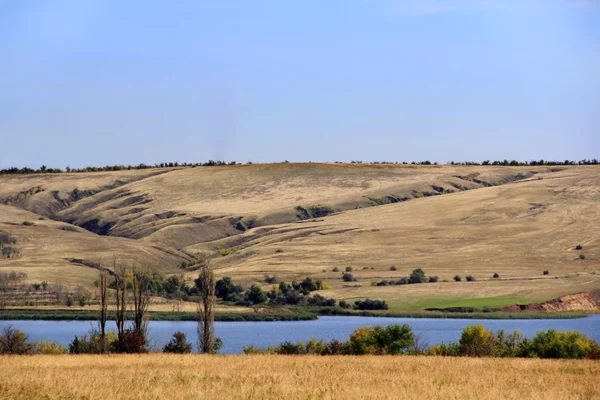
206 315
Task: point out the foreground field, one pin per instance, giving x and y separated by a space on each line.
294 377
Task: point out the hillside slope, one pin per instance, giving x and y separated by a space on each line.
448 220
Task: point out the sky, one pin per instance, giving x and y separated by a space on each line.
125 82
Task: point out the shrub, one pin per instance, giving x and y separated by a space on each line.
433 279
69 300
582 256
91 345
393 268
43 347
82 300
392 339
269 278
348 277
348 269
36 286
279 251
452 349
131 342
28 223
335 347
510 344
344 304
44 285
578 247
476 341
496 276
290 348
457 278
546 272
13 341
335 269
553 344
178 344
225 289
368 304
470 278
255 295
417 276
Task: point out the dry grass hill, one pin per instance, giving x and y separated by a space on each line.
297 220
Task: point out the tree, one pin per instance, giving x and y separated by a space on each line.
141 301
121 281
178 344
417 276
477 341
255 295
103 309
206 314
13 341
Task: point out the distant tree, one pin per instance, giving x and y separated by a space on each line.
457 278
496 276
178 344
417 276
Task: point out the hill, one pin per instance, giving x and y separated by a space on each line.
296 220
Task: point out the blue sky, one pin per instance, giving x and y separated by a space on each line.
111 82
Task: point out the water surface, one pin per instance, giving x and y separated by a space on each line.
236 335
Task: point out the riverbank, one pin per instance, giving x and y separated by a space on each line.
296 314
292 377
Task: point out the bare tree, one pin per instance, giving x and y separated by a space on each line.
206 313
121 281
103 309
141 301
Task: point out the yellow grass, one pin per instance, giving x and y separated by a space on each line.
294 377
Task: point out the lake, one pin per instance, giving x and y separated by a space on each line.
236 335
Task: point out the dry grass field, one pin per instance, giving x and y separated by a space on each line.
447 220
294 377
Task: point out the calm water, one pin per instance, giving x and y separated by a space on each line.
236 335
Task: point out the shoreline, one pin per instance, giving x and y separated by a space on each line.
297 315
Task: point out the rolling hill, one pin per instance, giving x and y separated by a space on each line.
296 220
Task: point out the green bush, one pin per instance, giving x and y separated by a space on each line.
470 278
476 341
433 279
348 277
368 304
178 344
348 269
393 268
457 278
546 272
417 276
392 339
344 304
335 269
496 276
554 344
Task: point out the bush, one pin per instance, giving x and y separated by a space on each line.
178 344
553 344
368 304
496 276
452 349
470 278
131 342
510 345
13 341
348 277
335 269
269 278
393 268
348 269
335 347
578 247
457 278
476 341
255 295
225 289
582 257
417 276
433 279
546 272
91 345
43 347
344 304
392 339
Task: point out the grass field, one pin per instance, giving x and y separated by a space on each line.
529 221
294 377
